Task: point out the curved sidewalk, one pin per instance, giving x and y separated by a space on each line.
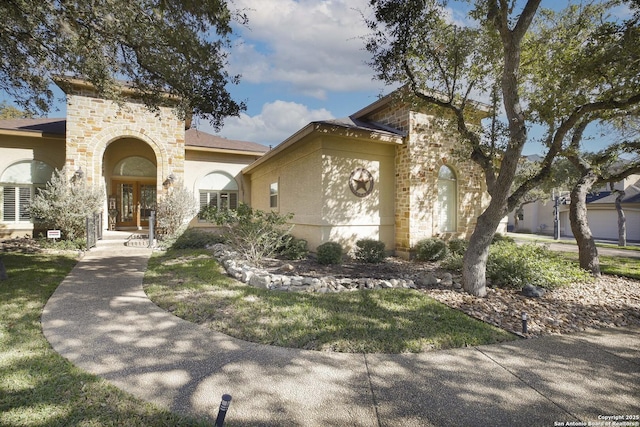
101 320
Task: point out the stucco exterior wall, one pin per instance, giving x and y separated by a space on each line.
298 172
198 164
25 148
347 217
19 148
313 183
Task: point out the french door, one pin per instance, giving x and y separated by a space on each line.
134 201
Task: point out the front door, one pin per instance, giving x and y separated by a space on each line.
134 201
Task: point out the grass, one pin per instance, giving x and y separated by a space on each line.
549 239
613 265
37 386
190 284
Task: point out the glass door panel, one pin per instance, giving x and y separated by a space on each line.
147 201
126 193
134 201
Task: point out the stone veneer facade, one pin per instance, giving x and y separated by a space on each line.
417 163
94 123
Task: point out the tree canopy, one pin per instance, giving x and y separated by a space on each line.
559 70
157 47
10 112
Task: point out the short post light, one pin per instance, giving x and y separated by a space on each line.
525 317
222 412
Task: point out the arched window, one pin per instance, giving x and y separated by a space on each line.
447 199
219 190
19 182
135 166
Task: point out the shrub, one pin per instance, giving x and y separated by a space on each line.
458 246
293 248
453 262
252 233
175 209
431 249
64 205
192 238
330 253
62 245
513 266
498 237
370 251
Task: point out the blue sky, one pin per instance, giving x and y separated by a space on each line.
304 60
300 61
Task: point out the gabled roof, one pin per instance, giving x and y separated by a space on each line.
50 127
349 127
354 123
384 101
196 139
601 197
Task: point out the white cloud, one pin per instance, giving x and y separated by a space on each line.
276 122
314 45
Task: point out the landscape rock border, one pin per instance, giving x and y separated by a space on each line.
610 301
281 281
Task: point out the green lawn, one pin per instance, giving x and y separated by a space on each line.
189 283
37 386
614 265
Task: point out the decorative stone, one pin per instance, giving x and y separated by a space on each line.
287 268
260 281
247 275
447 279
428 279
533 291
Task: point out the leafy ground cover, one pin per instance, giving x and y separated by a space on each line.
37 386
190 284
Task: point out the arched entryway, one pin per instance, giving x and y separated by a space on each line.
130 171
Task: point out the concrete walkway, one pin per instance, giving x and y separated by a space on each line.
100 319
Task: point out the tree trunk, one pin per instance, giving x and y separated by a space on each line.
587 251
622 220
474 264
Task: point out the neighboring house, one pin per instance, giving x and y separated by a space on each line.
388 172
601 213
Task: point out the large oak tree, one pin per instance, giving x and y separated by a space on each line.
416 42
157 47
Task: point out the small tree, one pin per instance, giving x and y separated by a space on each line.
65 203
254 234
174 211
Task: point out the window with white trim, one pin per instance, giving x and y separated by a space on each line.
447 199
218 190
18 184
218 199
273 195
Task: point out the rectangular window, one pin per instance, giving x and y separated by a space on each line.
273 195
15 203
217 199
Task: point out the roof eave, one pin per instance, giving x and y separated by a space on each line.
31 133
379 137
308 129
225 151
